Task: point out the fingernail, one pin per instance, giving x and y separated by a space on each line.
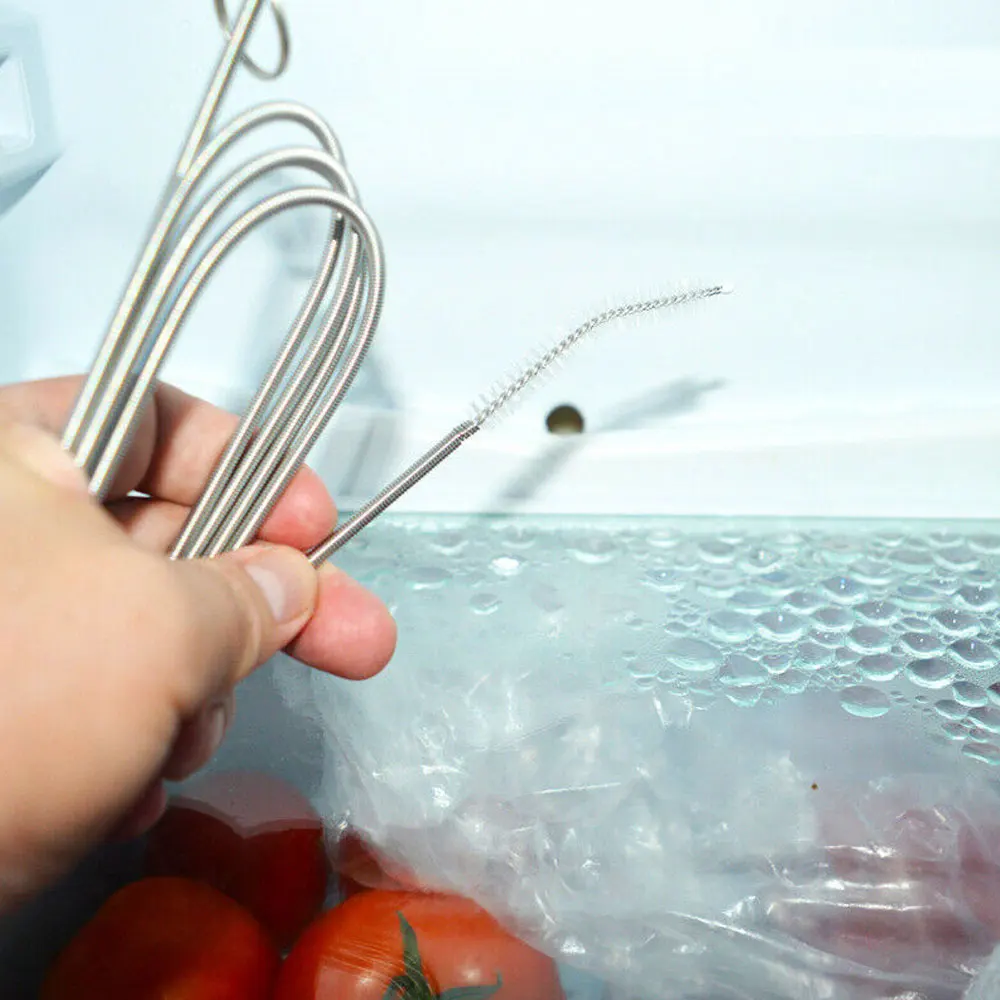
285 578
216 725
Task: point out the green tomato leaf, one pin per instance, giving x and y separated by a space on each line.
404 987
471 992
397 988
412 984
412 962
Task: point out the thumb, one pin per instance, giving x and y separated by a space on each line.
244 607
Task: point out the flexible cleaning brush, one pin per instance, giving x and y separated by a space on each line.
495 405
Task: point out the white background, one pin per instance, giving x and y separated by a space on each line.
527 162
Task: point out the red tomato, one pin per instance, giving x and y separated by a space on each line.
980 874
252 837
366 946
904 885
162 938
360 866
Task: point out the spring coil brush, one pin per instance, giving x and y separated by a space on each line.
325 346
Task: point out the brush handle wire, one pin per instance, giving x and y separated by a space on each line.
326 344
492 409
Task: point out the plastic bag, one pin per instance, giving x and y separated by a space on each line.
715 763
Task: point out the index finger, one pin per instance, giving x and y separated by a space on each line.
174 451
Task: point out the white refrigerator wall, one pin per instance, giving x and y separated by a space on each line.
528 162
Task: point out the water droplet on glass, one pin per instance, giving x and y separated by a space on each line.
872 573
869 639
958 557
955 623
832 640
693 655
810 656
971 695
792 681
594 550
912 559
988 717
933 673
666 538
890 538
717 550
731 625
428 577
922 643
518 537
760 560
484 604
946 586
775 663
448 542
676 626
744 697
864 702
993 693
878 612
702 698
911 623
845 655
950 710
915 595
751 600
642 670
779 581
844 590
717 582
506 565
667 580
782 626
740 671
685 560
985 542
838 549
987 753
790 540
805 601
954 731
880 666
834 619
978 597
943 538
974 653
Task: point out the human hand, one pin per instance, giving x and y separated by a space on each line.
117 665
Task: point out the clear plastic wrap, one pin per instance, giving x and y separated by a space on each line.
698 761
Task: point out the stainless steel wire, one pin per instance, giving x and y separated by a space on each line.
325 346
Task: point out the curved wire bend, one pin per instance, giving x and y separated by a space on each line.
284 40
323 350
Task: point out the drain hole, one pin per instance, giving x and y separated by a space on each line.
565 419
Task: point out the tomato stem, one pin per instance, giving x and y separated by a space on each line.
412 983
